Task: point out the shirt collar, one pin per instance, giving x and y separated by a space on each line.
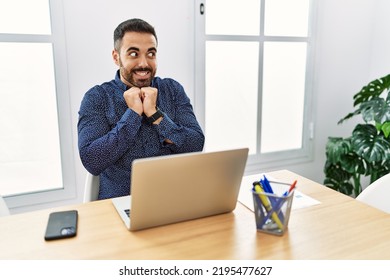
119 82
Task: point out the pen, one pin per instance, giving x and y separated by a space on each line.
265 183
292 186
279 205
267 204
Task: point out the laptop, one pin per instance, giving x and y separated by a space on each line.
181 187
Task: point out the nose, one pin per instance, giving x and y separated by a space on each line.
142 62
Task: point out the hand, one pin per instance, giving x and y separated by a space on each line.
133 98
149 100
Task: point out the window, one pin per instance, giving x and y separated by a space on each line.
253 77
36 165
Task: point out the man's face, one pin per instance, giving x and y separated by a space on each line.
137 59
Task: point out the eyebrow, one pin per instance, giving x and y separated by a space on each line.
137 49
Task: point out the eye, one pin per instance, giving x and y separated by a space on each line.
133 54
151 54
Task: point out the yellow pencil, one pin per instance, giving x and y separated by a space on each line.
267 205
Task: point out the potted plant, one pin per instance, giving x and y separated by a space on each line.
366 153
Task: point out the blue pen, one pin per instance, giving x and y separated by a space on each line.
280 203
267 188
266 206
276 209
275 202
267 185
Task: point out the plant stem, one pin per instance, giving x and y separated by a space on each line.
357 186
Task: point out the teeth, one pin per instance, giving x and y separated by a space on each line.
142 73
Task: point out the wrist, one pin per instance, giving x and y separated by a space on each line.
151 112
155 116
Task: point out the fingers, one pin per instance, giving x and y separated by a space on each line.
149 100
141 100
133 98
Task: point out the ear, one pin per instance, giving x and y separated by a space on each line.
115 56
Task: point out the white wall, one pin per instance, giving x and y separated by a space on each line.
380 56
89 30
352 49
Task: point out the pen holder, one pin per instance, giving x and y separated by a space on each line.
272 210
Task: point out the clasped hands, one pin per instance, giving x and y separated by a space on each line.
141 100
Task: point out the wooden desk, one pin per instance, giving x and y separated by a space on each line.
338 228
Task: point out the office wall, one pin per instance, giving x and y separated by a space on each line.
380 58
351 50
89 28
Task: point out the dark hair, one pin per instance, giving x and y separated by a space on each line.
132 25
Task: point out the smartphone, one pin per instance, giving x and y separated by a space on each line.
61 225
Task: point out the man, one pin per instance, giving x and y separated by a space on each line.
136 115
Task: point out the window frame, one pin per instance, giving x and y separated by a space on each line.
58 41
265 160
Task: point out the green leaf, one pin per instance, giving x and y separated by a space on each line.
367 152
350 115
337 178
344 187
352 163
379 169
336 147
377 110
368 144
386 129
373 89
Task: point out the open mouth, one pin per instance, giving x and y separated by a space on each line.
142 73
141 77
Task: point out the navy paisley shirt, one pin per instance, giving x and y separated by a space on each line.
111 136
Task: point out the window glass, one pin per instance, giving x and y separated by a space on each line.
230 17
30 157
286 17
25 17
256 86
283 96
231 94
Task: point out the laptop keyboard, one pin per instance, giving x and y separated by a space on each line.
127 211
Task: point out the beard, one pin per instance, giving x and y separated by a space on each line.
129 76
